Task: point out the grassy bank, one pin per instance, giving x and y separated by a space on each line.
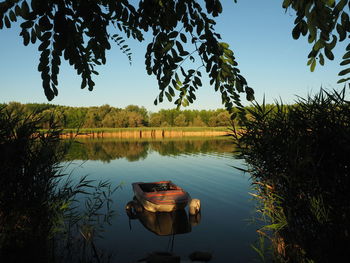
145 132
196 129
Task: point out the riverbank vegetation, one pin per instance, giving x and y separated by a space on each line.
298 159
39 219
106 117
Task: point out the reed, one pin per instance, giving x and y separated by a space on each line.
39 212
298 159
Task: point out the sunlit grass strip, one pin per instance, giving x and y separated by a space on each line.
156 139
149 129
111 130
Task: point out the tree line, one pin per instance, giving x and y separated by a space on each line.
106 116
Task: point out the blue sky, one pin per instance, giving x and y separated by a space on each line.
259 33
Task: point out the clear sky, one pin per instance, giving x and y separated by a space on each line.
259 33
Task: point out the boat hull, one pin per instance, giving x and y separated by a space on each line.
161 196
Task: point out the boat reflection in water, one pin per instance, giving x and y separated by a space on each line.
163 223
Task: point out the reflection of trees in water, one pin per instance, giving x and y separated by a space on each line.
107 150
192 146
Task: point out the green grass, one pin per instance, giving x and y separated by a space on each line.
189 129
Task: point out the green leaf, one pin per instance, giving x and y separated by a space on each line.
344 72
347 55
83 83
198 81
330 2
7 22
343 80
183 37
44 45
286 3
26 38
341 32
13 16
313 65
169 97
332 44
171 91
24 9
45 23
321 59
27 24
328 54
250 93
309 61
18 10
33 36
173 34
296 32
318 45
345 62
185 103
55 90
46 36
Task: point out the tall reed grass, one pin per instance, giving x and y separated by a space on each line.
298 157
39 216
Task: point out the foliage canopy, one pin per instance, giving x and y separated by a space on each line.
325 23
82 31
183 33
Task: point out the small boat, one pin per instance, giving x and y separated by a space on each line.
163 196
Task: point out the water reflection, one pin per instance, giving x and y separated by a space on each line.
202 166
165 223
106 150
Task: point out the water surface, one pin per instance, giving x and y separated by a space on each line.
203 167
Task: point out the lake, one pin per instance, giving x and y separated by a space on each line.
202 166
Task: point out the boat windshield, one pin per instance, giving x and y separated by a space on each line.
157 187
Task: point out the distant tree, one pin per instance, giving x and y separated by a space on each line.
164 124
93 119
181 121
213 121
223 119
121 119
15 108
205 116
74 117
109 121
38 107
155 120
140 110
104 110
197 122
134 119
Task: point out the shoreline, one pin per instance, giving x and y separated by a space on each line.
152 133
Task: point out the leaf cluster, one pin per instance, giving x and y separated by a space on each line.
78 31
325 23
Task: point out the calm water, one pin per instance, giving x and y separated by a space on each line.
203 167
